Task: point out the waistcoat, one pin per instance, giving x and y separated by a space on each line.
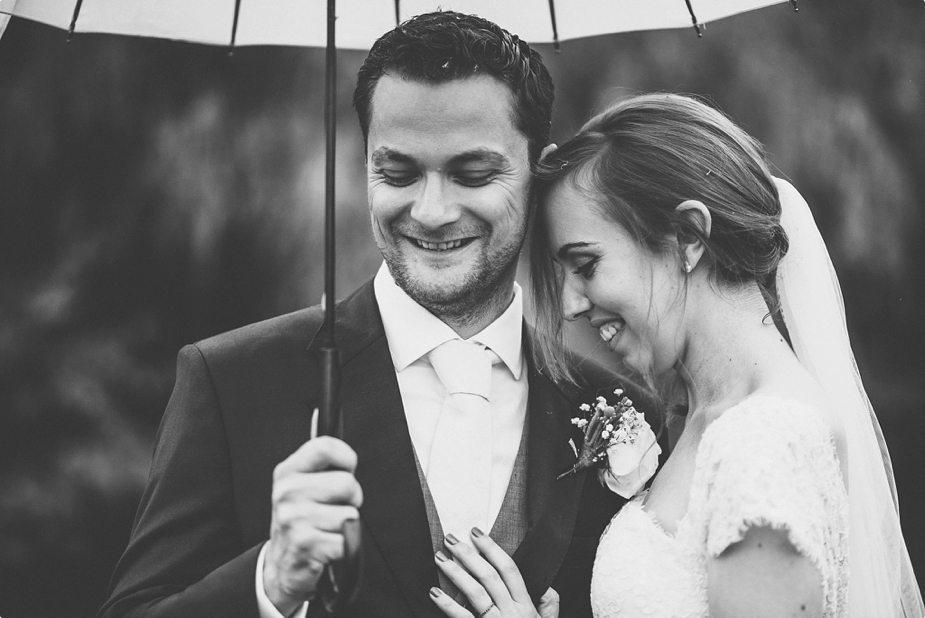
510 526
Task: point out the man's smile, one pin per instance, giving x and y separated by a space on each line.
446 245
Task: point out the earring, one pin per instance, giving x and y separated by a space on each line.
687 267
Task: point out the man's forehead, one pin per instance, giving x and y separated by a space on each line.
462 119
402 100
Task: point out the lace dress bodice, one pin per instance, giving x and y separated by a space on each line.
768 461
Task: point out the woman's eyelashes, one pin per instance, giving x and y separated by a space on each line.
586 269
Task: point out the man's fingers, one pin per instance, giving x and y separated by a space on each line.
447 605
330 487
325 517
314 493
318 454
294 564
310 545
503 564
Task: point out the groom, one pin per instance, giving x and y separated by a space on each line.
241 512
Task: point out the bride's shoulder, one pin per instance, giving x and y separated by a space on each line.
771 416
770 461
769 446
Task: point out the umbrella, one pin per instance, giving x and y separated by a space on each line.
312 23
361 22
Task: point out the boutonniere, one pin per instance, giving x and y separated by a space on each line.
618 441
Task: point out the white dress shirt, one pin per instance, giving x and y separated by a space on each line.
412 331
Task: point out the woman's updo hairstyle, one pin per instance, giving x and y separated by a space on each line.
636 162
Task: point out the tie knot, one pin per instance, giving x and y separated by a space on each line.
463 367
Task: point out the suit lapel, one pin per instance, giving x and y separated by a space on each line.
552 505
374 422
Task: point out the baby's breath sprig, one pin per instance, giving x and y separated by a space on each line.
603 425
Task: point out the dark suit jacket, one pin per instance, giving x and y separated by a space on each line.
242 403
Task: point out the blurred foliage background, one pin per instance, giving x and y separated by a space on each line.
153 193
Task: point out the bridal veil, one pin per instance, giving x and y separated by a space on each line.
881 581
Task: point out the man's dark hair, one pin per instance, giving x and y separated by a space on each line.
445 45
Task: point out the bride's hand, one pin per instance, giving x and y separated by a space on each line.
490 580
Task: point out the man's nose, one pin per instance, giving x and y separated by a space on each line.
574 302
435 206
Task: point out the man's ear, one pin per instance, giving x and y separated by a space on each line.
690 245
551 148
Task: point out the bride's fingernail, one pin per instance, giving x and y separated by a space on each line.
436 593
477 533
451 540
441 556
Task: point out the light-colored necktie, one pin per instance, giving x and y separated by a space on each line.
459 471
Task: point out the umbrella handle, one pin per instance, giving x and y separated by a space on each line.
340 582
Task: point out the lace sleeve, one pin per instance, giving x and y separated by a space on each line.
772 463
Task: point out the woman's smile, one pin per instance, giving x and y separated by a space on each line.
610 330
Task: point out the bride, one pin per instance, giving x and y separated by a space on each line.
660 224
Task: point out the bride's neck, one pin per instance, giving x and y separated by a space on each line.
731 346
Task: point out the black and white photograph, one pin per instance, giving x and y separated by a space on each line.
465 309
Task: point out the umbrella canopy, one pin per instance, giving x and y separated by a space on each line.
361 22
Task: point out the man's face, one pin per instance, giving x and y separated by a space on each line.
447 177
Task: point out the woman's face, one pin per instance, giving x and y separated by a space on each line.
631 296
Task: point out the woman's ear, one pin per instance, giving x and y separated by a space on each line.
690 246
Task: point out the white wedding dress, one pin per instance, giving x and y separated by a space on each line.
768 461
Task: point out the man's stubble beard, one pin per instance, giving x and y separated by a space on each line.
481 290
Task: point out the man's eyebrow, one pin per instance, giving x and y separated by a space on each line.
568 248
384 154
480 155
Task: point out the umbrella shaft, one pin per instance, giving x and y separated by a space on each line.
329 418
330 118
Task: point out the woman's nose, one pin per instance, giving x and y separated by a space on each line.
434 206
574 302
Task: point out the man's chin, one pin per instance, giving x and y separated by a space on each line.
436 292
451 288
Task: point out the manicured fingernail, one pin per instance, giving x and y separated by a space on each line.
477 533
436 592
441 556
451 540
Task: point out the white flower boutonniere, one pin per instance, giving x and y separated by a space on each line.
617 440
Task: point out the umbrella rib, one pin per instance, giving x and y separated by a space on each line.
70 29
555 27
697 26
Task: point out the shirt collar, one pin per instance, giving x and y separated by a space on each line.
412 331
